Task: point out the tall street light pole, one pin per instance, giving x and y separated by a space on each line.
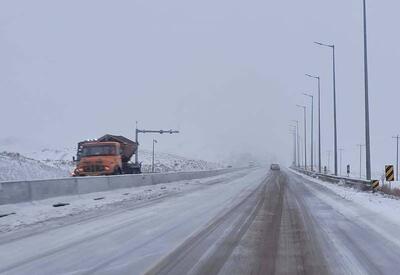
319 120
305 134
301 153
298 142
397 156
329 159
152 161
294 132
367 134
334 103
361 146
312 129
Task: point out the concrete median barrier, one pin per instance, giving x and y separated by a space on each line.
44 189
22 191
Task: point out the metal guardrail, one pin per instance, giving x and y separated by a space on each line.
361 184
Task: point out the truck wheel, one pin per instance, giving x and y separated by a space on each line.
137 171
117 171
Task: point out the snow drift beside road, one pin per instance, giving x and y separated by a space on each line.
376 203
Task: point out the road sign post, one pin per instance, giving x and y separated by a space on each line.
138 131
389 173
375 185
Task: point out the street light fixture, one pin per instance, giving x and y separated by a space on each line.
334 102
319 120
305 134
361 146
312 129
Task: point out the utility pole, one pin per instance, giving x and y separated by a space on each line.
334 102
305 134
367 132
152 160
361 146
397 156
312 130
319 120
137 132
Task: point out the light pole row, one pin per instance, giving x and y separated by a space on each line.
367 125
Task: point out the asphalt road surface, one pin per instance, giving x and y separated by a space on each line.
261 222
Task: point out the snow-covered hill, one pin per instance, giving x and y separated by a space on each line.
164 162
14 166
50 163
58 158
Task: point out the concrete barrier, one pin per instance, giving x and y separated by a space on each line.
22 191
40 190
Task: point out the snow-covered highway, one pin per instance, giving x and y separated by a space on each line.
247 222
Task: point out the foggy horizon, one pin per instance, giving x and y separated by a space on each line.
227 74
225 195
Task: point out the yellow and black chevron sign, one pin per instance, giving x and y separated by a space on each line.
389 171
375 184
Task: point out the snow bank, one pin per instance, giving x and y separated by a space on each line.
376 203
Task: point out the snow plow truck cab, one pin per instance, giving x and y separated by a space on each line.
108 155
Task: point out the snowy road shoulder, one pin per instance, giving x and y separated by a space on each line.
16 216
378 206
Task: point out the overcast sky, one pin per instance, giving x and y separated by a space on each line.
226 73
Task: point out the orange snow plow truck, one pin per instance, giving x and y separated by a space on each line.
108 155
